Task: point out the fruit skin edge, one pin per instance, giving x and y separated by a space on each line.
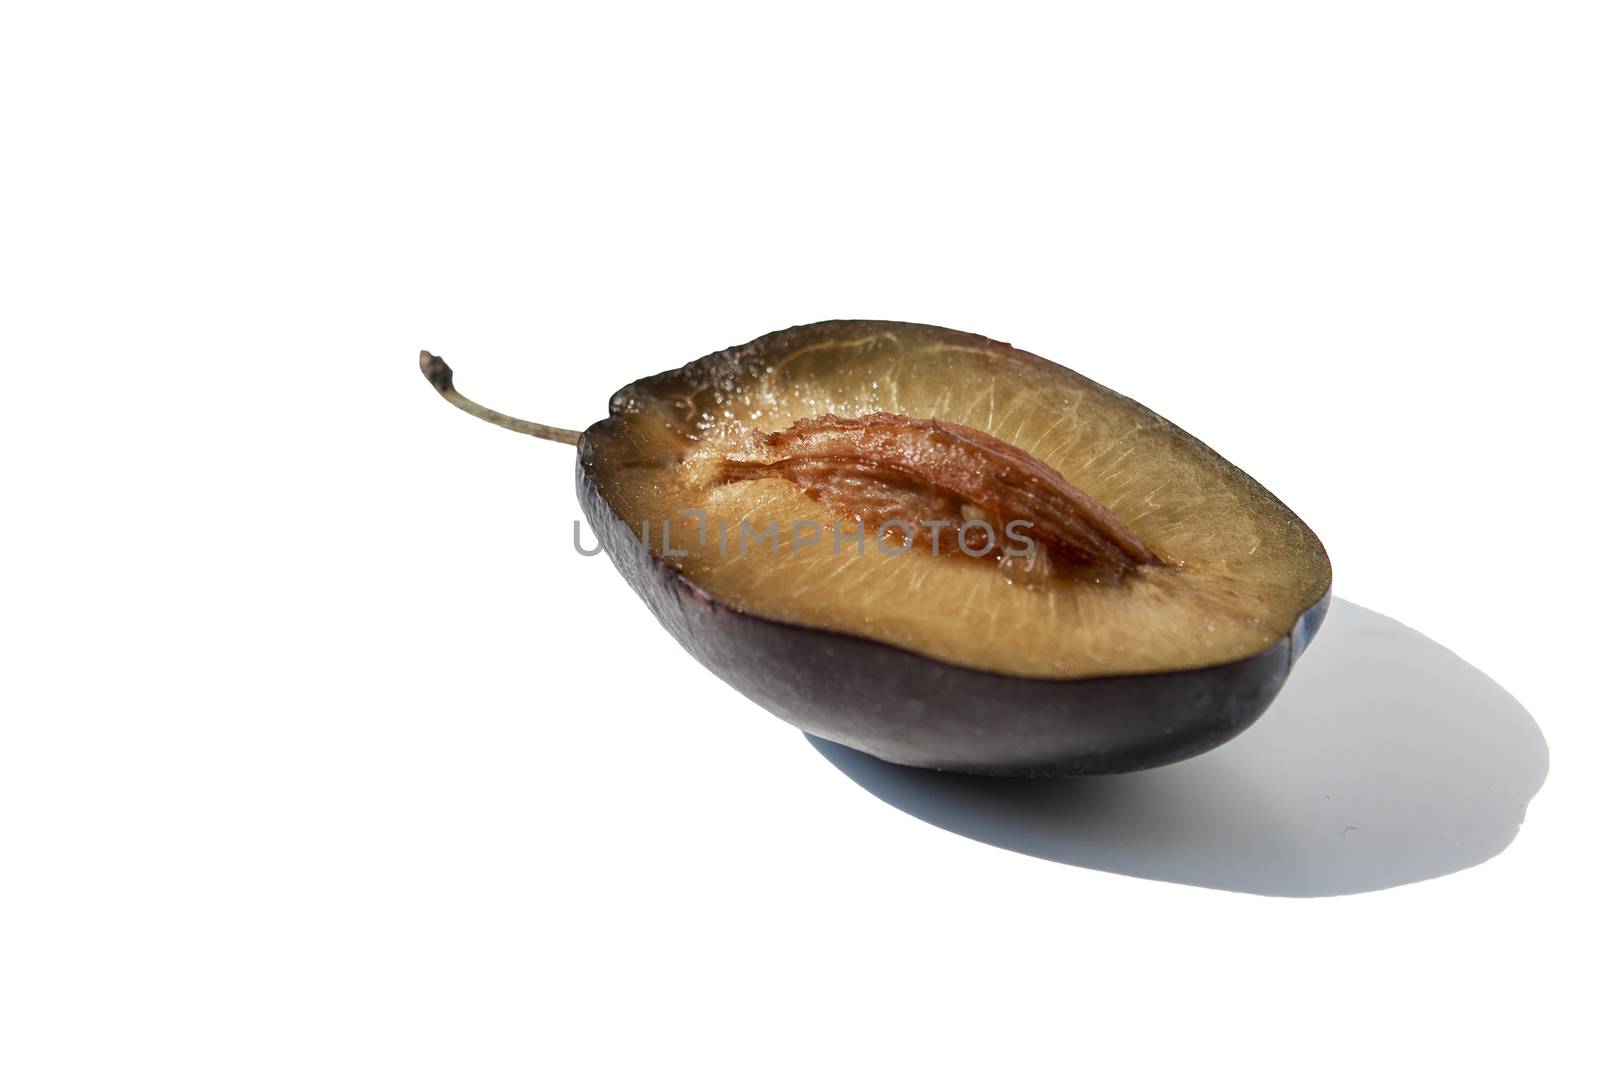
909 709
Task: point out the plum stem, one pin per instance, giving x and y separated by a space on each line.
442 378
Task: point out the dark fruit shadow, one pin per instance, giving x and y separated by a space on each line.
1386 760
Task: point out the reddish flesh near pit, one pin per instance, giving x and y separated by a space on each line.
883 467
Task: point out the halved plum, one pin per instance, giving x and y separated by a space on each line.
949 553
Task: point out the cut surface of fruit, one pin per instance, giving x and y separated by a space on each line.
766 474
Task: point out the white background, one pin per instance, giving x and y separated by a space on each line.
320 744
